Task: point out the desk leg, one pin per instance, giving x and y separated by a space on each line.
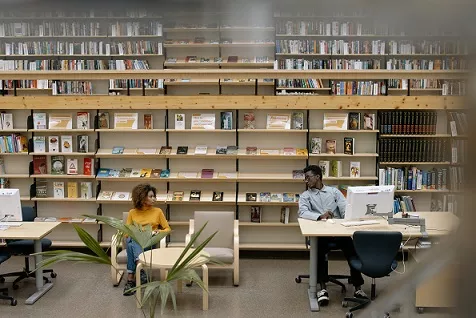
313 275
205 283
40 288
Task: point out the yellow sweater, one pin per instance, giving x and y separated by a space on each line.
153 216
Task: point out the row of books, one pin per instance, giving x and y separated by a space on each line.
458 123
82 48
310 27
135 28
408 122
13 143
61 192
216 59
79 13
413 150
363 88
60 121
195 195
202 40
403 203
300 83
419 84
330 47
459 151
73 64
331 146
256 214
72 88
66 145
412 178
427 47
333 168
60 166
65 219
457 178
203 150
137 83
450 63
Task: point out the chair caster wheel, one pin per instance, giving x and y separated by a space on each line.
53 275
13 302
2 280
349 315
387 315
236 285
298 280
345 304
15 287
420 310
188 284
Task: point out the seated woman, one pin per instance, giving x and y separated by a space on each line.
144 213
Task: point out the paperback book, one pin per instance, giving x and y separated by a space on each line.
284 215
251 196
83 143
66 143
217 196
354 121
265 197
255 214
195 195
226 120
82 120
57 165
221 150
103 120
349 145
355 169
325 166
180 121
249 121
53 144
58 190
331 146
316 145
297 120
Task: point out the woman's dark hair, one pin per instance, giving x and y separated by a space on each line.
140 193
316 170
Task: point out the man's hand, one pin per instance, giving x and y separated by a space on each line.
327 215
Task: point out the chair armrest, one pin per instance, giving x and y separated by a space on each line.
191 230
236 241
114 248
163 243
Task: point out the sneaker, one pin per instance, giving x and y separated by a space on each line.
129 285
143 277
360 294
323 298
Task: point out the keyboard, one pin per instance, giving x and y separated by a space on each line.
358 223
11 224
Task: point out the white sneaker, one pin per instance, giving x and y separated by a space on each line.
322 297
360 294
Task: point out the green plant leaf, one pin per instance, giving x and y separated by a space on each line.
55 257
90 242
165 290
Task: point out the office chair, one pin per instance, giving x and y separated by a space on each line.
26 247
332 278
376 252
4 291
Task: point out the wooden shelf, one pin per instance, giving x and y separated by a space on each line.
52 131
116 201
191 83
268 203
15 176
350 179
273 246
175 178
63 200
276 157
247 64
115 130
201 130
445 163
346 131
129 179
179 223
128 153
62 176
245 28
247 83
178 30
303 88
12 131
66 154
191 64
264 177
202 202
416 136
269 224
14 154
272 130
344 155
251 44
422 191
25 198
192 45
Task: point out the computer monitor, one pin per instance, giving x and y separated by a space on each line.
10 205
366 201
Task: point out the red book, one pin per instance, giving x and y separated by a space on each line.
39 165
88 166
207 173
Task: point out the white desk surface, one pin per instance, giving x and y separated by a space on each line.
166 257
29 231
437 224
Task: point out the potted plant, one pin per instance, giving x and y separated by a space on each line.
154 291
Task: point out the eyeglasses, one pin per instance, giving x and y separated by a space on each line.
306 178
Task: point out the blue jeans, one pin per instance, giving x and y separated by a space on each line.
133 252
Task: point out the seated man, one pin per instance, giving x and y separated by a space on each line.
318 203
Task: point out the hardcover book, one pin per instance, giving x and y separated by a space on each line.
251 150
217 196
58 190
335 121
336 168
6 121
349 145
276 197
57 165
231 150
125 173
207 173
103 173
118 150
41 189
203 121
278 121
180 121
195 195
201 150
289 151
39 144
255 214
251 196
86 190
316 145
331 146
221 150
177 196
165 150
249 121
148 121
88 167
182 150
354 169
39 120
53 143
103 120
66 143
369 121
135 173
301 152
145 172
288 197
72 190
274 152
284 215
60 121
297 120
82 120
126 120
155 173
226 120
165 173
83 143
325 166
354 121
72 166
265 196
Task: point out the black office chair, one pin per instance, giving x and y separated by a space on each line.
332 278
26 247
376 252
4 291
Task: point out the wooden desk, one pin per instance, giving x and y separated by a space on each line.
437 224
32 231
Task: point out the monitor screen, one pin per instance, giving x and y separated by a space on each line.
366 201
10 205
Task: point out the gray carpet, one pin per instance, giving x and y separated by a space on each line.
267 289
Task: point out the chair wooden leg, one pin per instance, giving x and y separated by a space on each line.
205 283
138 284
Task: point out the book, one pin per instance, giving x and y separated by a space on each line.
276 197
58 190
103 120
355 169
135 173
86 190
117 150
354 121
165 150
126 120
177 196
182 150
249 120
336 168
217 196
231 150
195 195
41 189
39 144
145 172
335 121
53 144
39 165
72 166
251 196
297 120
82 120
57 165
2 166
278 121
203 121
274 152
83 143
316 145
180 121
265 196
288 197
165 173
105 195
72 190
146 151
255 214
201 150
39 120
6 122
325 166
121 196
66 143
148 121
125 173
88 168
369 121
251 150
60 121
221 150
226 122
284 215
207 173
289 151
103 173
155 173
331 146
301 152
296 197
349 145
298 174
